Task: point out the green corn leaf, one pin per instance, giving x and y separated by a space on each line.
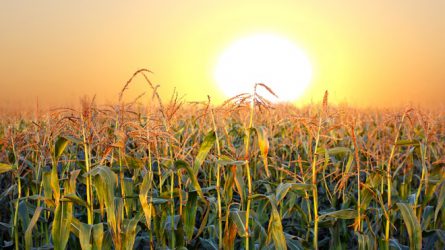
239 218
240 184
143 192
208 244
98 236
5 168
440 201
128 187
23 214
292 243
74 198
182 164
225 160
73 139
275 230
130 231
339 150
104 181
263 144
189 214
54 183
207 144
412 226
283 188
85 236
365 241
344 214
204 220
60 230
59 147
32 223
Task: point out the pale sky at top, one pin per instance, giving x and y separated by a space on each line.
382 53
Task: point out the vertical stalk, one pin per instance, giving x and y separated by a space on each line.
19 195
357 161
90 215
16 229
218 184
389 179
249 181
314 186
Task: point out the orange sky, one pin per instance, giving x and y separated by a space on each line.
371 54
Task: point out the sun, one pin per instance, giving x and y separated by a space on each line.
264 58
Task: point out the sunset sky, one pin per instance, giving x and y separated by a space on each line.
378 53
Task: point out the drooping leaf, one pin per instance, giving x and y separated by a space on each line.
239 219
182 164
283 188
5 168
225 160
60 230
275 230
344 214
59 147
32 223
412 225
54 183
208 244
85 236
73 139
74 198
263 144
98 236
239 182
440 201
207 144
130 231
143 192
189 214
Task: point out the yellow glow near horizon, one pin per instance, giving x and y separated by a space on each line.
264 58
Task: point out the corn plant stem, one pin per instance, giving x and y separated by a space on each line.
151 196
314 187
218 183
389 180
249 181
357 161
422 178
90 215
122 182
19 195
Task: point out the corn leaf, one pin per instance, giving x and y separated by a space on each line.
263 144
60 230
85 236
344 214
182 164
59 147
239 219
5 168
275 230
189 215
143 192
130 231
98 236
207 144
32 223
412 225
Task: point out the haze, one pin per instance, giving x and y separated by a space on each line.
381 54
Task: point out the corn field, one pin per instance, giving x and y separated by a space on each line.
244 175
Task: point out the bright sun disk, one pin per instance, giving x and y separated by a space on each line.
269 59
